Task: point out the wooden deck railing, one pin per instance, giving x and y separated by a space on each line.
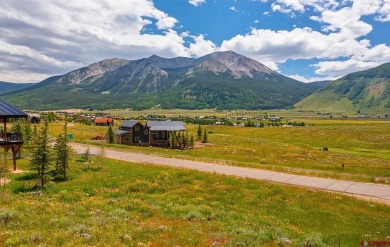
11 137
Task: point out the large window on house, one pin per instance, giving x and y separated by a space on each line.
157 135
162 134
137 139
146 131
127 139
136 128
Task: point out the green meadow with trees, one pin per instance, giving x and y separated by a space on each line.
64 199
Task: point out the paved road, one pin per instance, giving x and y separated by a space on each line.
374 191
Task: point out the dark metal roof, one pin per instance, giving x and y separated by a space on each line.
128 124
166 125
121 132
7 110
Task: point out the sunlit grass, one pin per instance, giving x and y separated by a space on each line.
127 204
363 147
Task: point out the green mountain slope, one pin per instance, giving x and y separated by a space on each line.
222 79
361 92
6 87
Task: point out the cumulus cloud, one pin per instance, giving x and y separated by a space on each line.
43 38
201 46
339 45
197 3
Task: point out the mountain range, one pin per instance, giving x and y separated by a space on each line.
365 92
224 80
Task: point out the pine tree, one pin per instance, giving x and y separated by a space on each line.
191 144
179 140
199 133
204 140
41 159
27 132
186 140
110 135
62 153
173 141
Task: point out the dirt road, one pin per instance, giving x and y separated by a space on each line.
376 192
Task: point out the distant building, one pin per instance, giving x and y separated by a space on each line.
103 121
154 133
34 118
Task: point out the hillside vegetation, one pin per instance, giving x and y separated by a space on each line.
365 92
225 80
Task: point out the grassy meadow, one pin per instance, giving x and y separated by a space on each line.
125 204
362 145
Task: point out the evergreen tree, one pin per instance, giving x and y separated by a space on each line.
179 140
41 159
186 140
172 142
204 140
16 127
62 153
191 144
199 133
27 132
110 134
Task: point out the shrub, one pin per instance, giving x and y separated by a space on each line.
312 241
5 216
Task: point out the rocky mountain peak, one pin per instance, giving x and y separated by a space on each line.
238 65
94 70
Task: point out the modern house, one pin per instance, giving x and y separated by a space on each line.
103 121
154 133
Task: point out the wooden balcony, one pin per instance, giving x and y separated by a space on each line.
11 138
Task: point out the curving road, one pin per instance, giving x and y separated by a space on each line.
378 192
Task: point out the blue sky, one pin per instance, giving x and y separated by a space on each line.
305 39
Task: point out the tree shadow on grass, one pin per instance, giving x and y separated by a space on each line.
23 188
27 177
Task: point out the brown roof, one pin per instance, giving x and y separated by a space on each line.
103 120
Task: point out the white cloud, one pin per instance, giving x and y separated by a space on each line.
233 9
307 79
341 68
57 36
340 38
197 3
201 46
384 11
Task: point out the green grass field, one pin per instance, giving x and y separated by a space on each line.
127 204
362 145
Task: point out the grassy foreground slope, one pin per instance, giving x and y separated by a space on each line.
127 204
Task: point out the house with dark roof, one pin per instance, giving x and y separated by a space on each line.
132 133
160 131
154 133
